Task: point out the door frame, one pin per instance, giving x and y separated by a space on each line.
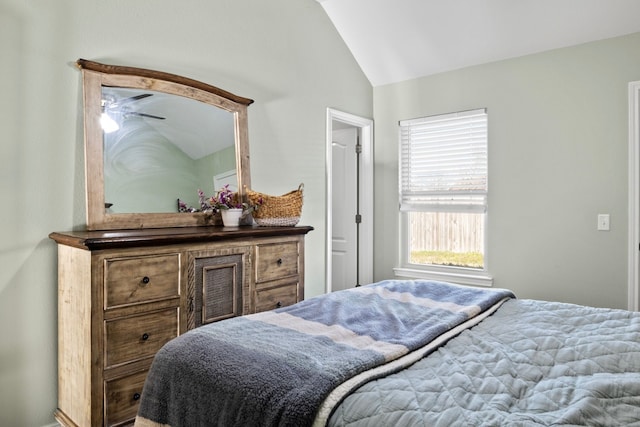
634 197
365 127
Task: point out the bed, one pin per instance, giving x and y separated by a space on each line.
402 353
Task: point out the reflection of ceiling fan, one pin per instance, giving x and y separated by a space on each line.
119 107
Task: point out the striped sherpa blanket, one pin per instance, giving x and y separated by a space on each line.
279 368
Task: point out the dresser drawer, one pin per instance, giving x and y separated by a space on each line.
122 398
280 296
138 279
137 337
275 261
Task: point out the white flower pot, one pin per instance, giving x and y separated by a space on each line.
231 217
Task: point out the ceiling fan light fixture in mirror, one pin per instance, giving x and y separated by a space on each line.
108 124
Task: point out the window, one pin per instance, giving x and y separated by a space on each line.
443 197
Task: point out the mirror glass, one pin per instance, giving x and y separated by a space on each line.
153 139
161 147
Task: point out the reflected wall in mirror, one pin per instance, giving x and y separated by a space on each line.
153 137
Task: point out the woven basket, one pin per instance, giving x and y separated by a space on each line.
277 211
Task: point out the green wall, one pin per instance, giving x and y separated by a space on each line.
558 141
284 54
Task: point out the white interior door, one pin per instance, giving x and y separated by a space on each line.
353 187
344 190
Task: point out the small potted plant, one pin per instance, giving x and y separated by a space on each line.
231 209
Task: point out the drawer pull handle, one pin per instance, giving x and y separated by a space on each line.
279 262
278 304
136 396
145 336
145 280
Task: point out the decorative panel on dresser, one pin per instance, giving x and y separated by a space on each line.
122 294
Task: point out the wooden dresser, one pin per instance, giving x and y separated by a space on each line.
122 294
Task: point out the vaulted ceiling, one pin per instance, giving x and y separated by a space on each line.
396 40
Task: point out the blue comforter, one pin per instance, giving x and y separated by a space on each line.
283 368
532 363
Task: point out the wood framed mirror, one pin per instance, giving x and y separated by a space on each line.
153 139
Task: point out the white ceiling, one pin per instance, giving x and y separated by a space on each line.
396 40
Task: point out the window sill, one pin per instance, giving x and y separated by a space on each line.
454 275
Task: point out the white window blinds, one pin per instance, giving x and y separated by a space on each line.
443 162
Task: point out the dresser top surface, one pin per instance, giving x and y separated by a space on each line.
95 240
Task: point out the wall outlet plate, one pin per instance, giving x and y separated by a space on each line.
603 222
